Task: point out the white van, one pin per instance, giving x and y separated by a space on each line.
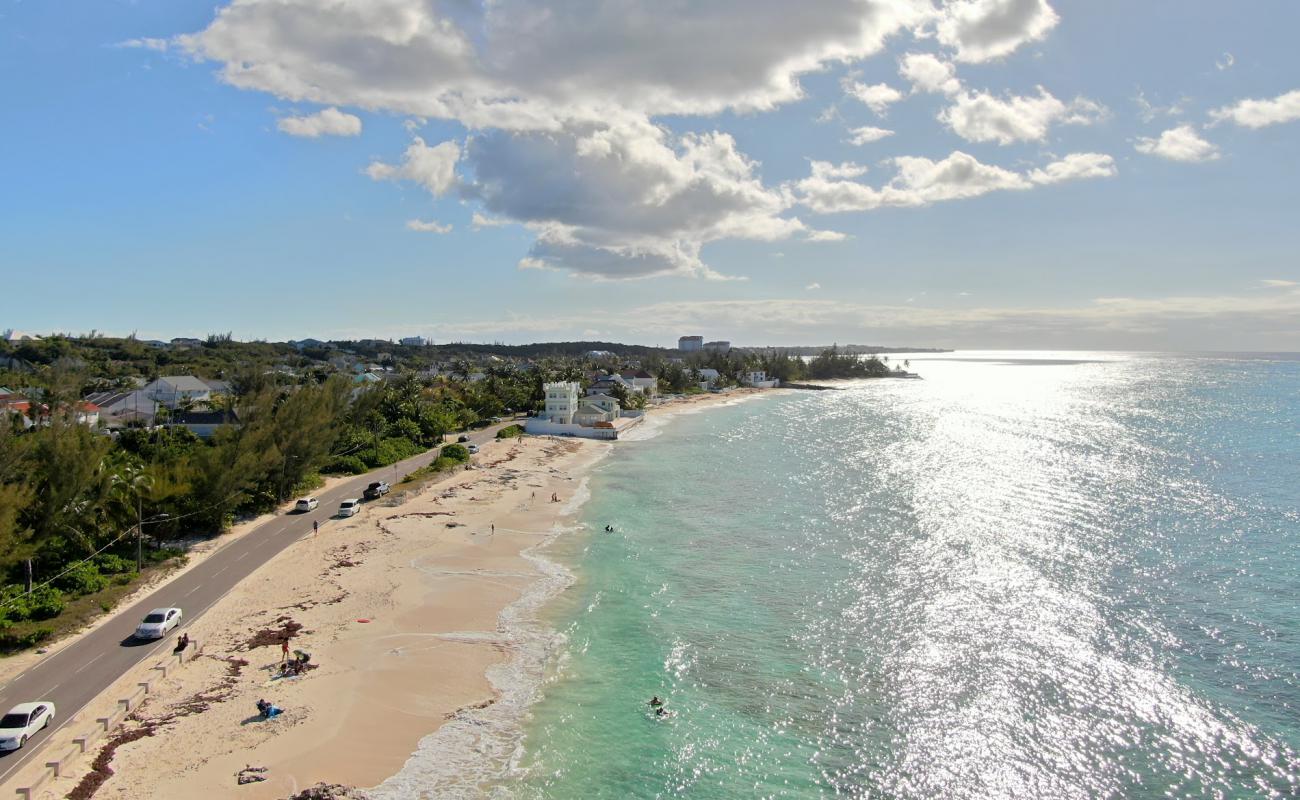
349 507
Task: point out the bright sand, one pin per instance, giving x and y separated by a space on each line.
433 596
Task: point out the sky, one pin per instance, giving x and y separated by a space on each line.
1091 174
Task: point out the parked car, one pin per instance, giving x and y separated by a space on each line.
157 622
473 448
462 438
375 490
306 504
349 507
22 721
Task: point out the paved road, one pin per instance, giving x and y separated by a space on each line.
77 673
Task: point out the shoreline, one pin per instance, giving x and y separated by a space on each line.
437 680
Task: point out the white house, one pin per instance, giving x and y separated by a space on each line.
561 402
606 404
174 390
642 382
607 382
120 407
759 380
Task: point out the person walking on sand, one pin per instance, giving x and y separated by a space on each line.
315 528
494 528
284 649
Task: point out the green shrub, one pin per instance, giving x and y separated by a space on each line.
11 641
345 465
123 578
455 452
110 564
510 432
394 449
44 603
82 579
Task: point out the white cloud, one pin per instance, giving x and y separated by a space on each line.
627 200
1148 111
813 286
512 64
479 221
982 117
326 122
928 73
982 30
1261 113
434 168
1178 144
867 134
431 226
1225 62
1278 283
826 236
559 103
877 97
922 181
845 169
1074 167
146 43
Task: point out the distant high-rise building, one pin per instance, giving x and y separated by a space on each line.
690 344
414 341
717 347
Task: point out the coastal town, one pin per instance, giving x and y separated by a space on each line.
173 462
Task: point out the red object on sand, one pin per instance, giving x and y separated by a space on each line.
363 620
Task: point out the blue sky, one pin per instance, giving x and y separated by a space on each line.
1063 175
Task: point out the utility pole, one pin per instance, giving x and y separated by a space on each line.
139 535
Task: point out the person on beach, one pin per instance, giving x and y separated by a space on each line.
655 702
315 528
284 649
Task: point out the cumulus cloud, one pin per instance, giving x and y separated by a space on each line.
1178 144
624 201
922 181
826 236
1074 167
845 169
982 30
326 122
982 117
559 103
867 134
813 286
431 226
928 73
1261 113
434 168
1278 283
878 96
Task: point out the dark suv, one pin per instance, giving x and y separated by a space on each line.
375 490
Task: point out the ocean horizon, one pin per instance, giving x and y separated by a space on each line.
1046 574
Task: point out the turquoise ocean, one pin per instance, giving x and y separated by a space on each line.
1029 575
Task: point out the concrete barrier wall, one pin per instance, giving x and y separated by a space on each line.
64 759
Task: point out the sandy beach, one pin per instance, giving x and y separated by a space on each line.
401 609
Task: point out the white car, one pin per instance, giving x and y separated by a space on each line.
22 721
157 622
306 504
349 507
473 449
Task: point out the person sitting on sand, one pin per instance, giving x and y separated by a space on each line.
183 642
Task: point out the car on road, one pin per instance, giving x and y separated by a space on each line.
472 449
375 490
462 439
157 622
22 721
306 504
349 507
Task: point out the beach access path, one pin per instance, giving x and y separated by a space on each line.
75 674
